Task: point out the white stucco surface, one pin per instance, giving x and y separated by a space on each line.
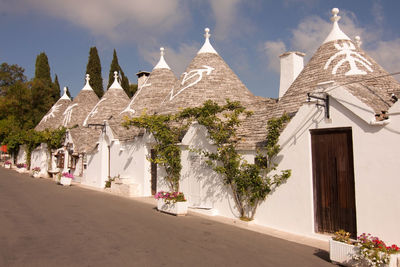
40 158
290 208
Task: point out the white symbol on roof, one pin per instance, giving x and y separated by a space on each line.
68 113
351 56
188 76
94 111
53 110
128 108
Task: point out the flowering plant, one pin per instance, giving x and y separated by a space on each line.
67 175
170 196
7 162
21 165
373 250
36 169
342 236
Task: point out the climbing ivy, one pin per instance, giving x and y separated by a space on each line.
168 131
250 183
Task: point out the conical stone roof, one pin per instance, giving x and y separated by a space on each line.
111 104
207 77
148 97
82 104
54 117
341 60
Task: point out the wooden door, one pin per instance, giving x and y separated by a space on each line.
333 180
153 173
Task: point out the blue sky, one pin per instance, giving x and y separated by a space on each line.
248 34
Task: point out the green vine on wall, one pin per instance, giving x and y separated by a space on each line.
168 131
250 183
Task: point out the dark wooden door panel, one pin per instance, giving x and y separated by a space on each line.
333 179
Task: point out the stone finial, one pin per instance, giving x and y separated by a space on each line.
87 84
65 90
161 63
116 75
207 47
335 12
358 41
65 96
207 33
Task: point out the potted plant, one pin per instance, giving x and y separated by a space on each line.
171 202
66 178
373 252
7 164
21 167
365 251
36 172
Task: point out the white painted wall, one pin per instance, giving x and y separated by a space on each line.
21 156
40 158
290 207
96 173
129 160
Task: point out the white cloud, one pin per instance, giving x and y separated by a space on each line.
273 50
117 19
387 55
226 14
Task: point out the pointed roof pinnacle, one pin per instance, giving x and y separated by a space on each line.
207 47
87 85
65 96
115 84
161 63
336 33
358 41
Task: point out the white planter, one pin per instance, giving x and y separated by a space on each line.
36 175
342 253
21 170
7 166
177 208
65 181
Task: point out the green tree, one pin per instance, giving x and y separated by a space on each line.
43 91
42 68
57 89
9 75
132 89
124 81
93 68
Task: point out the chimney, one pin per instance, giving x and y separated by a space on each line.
292 64
142 76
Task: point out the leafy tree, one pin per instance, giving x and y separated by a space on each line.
9 75
124 81
93 68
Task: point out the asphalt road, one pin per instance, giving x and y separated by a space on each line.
44 224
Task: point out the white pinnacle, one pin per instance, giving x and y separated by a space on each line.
336 33
115 84
65 96
87 85
207 47
358 41
161 63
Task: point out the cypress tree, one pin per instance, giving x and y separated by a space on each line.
42 68
42 87
124 81
93 68
56 89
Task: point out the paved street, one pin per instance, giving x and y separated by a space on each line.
44 224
